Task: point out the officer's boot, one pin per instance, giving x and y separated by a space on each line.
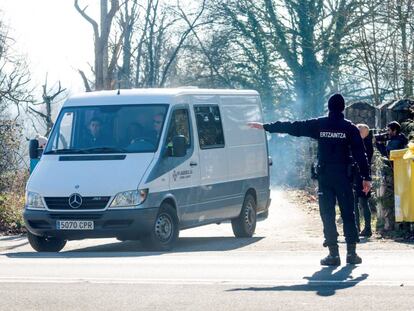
351 256
333 258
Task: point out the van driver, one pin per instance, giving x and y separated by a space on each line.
94 136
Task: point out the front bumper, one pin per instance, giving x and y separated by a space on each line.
123 224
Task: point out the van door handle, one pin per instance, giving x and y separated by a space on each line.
193 163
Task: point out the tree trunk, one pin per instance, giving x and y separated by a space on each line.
403 16
103 78
49 123
127 25
310 89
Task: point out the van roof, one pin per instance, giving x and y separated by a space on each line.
153 95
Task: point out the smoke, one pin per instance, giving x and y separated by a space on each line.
292 156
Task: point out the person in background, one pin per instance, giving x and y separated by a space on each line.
361 198
134 132
41 140
36 147
394 138
150 134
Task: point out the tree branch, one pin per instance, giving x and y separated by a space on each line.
88 18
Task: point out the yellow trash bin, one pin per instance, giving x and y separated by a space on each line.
404 183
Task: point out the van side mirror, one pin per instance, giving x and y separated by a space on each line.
35 152
179 146
33 149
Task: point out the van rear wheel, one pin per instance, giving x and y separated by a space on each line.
165 231
245 225
45 244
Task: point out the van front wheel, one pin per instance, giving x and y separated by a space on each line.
245 225
165 231
45 244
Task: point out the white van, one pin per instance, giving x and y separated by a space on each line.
146 163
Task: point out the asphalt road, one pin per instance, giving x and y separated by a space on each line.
277 269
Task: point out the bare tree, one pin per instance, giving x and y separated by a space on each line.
402 19
129 17
14 76
15 95
153 37
46 106
308 38
373 49
102 69
385 50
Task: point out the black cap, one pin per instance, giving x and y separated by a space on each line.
336 103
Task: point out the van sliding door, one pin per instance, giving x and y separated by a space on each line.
214 192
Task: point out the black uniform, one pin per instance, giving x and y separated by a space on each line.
338 141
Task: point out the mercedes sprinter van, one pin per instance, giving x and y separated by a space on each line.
147 163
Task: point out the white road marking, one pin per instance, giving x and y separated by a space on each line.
204 281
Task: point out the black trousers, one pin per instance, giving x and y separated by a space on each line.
335 185
362 203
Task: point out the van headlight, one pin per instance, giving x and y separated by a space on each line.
34 200
129 198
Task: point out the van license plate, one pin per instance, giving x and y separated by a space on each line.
74 225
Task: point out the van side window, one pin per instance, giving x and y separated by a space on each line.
180 125
209 126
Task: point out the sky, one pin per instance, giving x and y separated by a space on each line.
53 37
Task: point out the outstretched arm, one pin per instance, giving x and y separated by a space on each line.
308 128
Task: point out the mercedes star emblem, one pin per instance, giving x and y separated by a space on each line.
75 200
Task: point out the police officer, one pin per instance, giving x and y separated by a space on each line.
338 141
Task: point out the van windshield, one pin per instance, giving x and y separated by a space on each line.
107 129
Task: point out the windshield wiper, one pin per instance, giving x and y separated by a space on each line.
105 150
65 151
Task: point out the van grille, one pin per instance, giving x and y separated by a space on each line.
62 203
